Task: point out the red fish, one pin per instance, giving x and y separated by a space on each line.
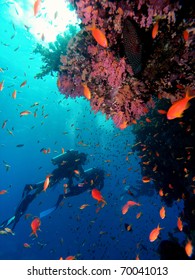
186 35
178 107
35 225
96 194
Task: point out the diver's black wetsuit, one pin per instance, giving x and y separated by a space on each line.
91 178
67 164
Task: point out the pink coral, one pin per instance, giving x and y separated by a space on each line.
115 90
107 68
67 87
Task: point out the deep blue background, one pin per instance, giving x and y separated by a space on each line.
69 230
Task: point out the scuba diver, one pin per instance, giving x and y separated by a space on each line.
69 167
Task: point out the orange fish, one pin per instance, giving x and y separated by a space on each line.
154 233
86 91
35 225
162 212
155 30
77 172
14 94
3 192
96 194
125 209
179 224
99 36
123 125
161 192
134 121
128 227
178 107
133 203
129 203
138 215
37 5
146 179
189 248
46 183
25 113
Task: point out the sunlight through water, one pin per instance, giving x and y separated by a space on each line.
52 19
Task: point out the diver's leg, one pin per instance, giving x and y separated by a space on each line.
7 223
30 187
50 210
27 189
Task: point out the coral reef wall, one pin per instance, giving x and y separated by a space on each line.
149 54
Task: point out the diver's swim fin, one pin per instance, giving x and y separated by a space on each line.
47 212
50 210
7 222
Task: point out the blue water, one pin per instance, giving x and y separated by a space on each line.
69 230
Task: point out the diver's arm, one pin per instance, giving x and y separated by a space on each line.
29 188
